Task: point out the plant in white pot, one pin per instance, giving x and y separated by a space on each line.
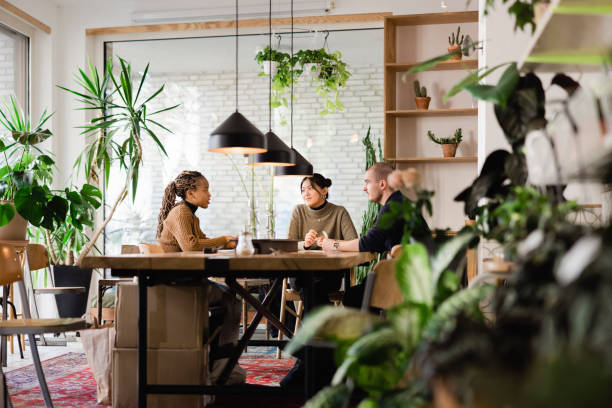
26 176
270 59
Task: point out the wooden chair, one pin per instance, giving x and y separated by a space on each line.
38 258
150 248
382 290
290 295
10 271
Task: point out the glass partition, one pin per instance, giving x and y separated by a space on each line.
198 73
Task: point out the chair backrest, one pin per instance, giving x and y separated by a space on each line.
130 249
38 258
150 249
10 268
382 289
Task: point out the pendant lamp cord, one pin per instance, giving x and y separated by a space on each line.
291 63
236 55
270 78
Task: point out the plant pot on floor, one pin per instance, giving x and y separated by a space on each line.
456 51
422 103
16 229
449 150
71 304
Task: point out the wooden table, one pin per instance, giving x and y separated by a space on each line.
183 267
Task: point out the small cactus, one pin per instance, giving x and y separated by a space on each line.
455 40
456 139
419 91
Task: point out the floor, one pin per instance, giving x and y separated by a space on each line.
72 344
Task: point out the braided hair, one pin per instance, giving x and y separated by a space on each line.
185 181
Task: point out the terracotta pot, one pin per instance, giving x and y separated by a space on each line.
449 150
15 230
456 51
422 103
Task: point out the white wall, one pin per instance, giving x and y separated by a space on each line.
66 48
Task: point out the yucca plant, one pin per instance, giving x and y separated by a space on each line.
376 354
117 132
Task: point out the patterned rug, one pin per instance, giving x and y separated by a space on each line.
72 385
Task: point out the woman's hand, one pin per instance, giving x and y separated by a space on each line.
230 242
310 239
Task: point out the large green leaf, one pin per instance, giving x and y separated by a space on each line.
472 78
332 323
29 202
500 93
31 138
336 396
414 275
448 251
7 212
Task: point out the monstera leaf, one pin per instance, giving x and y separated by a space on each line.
489 181
524 110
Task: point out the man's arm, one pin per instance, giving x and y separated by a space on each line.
345 246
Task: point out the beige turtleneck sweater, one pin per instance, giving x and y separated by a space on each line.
333 219
181 232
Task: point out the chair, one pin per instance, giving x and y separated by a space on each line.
381 289
150 248
10 271
290 295
38 258
11 306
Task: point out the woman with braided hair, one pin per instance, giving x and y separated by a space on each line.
178 228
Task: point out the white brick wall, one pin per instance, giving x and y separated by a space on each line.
206 100
7 56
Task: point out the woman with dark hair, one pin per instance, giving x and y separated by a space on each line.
312 221
317 217
178 228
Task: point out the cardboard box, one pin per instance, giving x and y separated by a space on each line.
163 367
177 316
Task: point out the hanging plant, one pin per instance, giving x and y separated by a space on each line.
331 75
269 60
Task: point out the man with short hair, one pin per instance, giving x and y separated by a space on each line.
376 239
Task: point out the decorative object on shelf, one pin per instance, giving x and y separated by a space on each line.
449 144
269 60
237 135
455 45
420 96
278 154
302 167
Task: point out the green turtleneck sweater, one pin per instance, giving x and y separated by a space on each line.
333 219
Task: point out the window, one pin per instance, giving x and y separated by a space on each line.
14 66
199 74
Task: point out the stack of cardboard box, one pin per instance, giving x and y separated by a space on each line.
177 322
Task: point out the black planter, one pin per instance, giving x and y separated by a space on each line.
71 304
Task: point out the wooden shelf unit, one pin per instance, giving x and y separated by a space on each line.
440 66
433 112
421 160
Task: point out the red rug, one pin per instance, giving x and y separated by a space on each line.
72 385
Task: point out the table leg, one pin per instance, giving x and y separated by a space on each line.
142 339
261 311
4 317
309 386
100 295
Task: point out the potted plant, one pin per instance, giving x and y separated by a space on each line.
455 45
449 144
269 60
116 133
332 77
420 96
311 60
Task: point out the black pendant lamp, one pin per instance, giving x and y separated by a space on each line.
237 135
278 154
302 167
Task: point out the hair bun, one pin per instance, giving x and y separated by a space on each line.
328 182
